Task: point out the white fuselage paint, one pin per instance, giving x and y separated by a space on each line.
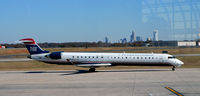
108 59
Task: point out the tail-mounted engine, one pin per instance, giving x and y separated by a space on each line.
54 55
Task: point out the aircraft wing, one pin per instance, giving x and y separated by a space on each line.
94 65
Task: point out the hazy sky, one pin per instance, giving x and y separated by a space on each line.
71 20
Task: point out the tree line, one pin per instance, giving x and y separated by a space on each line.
78 44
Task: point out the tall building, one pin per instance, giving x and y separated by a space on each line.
155 35
138 38
133 37
106 40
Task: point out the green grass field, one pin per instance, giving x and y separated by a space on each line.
190 62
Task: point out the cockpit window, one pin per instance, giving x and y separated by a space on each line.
171 57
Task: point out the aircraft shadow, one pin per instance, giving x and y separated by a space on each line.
37 72
86 71
79 72
143 70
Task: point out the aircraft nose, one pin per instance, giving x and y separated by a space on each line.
179 63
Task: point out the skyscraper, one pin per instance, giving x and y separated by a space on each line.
132 37
106 40
138 38
155 35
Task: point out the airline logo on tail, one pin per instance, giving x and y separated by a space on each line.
32 46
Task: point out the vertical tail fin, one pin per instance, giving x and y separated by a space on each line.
32 46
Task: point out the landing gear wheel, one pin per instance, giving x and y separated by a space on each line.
92 70
173 68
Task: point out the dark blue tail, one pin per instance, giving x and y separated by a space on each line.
35 49
32 46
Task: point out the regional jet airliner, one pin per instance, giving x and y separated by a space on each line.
94 60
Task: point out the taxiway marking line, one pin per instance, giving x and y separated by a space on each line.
174 91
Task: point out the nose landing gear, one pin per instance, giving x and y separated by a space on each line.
173 68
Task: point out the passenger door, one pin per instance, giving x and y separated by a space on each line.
161 60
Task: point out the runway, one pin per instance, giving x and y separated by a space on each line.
14 59
136 82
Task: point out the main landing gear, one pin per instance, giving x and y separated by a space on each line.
173 68
92 70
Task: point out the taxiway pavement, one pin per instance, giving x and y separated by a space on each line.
136 82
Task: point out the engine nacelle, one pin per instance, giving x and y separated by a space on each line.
55 55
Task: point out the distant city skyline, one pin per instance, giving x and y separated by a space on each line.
135 38
92 20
